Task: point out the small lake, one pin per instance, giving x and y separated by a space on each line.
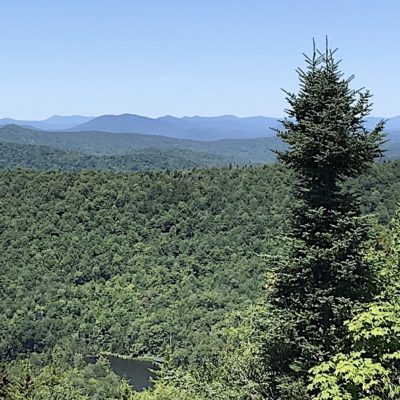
137 372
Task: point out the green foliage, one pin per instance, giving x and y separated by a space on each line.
26 381
165 391
372 369
385 255
4 381
21 385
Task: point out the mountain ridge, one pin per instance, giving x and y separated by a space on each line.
196 127
54 121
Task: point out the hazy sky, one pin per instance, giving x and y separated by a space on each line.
186 57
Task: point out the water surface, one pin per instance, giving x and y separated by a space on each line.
137 372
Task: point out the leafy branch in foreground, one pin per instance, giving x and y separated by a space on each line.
372 369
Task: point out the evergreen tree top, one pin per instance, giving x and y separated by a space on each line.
324 127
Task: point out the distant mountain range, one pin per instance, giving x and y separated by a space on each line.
56 122
193 128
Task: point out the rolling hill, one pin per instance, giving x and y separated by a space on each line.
240 151
46 158
27 148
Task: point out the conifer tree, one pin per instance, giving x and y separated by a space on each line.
325 276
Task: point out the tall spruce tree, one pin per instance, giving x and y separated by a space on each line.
325 276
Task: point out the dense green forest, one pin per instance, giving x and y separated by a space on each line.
187 245
43 158
134 263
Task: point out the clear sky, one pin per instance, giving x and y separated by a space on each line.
186 57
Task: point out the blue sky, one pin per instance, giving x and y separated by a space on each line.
186 57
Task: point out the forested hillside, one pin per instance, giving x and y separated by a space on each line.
130 263
175 251
240 151
46 158
128 152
